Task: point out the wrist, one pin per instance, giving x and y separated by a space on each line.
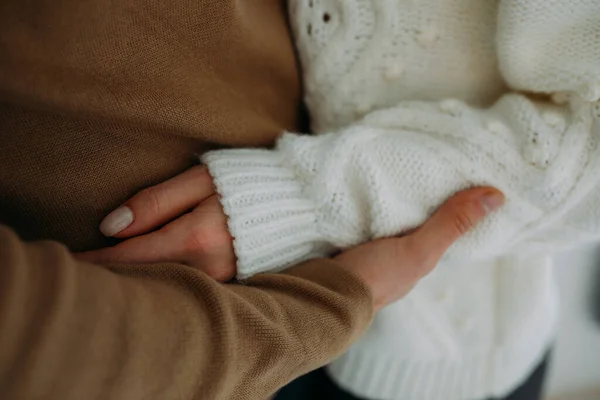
272 220
380 296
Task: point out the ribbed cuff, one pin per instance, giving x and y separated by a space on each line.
272 221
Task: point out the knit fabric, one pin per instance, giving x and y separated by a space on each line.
386 174
99 100
414 101
550 46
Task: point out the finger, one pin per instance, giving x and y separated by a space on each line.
159 204
153 247
461 213
199 239
172 242
208 245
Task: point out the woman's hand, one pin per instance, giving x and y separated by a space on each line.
180 220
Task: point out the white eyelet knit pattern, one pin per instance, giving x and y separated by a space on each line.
372 54
415 100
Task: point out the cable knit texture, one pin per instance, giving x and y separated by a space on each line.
413 101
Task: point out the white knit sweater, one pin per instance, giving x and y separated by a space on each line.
415 100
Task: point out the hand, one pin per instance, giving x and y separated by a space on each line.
196 235
391 267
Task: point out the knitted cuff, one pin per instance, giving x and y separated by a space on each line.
272 221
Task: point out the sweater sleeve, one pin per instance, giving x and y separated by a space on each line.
71 330
550 46
385 175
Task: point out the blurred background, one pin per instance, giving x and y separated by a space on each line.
575 367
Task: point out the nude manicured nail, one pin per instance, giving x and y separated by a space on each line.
492 201
116 221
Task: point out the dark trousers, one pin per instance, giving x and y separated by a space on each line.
318 386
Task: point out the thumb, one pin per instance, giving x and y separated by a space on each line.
461 213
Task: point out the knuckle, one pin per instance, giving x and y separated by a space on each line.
420 256
221 274
200 241
200 172
152 203
462 218
203 241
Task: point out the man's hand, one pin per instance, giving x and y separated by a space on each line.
180 220
392 267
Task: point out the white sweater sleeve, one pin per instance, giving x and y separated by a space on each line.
313 195
550 46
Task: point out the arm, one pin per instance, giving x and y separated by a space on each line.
73 330
386 174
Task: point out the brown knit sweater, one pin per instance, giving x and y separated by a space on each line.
99 99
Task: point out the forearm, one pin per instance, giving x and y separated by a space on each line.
386 174
75 330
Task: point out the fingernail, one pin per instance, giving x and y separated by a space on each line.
492 201
116 221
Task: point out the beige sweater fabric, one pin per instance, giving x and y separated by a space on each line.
98 100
